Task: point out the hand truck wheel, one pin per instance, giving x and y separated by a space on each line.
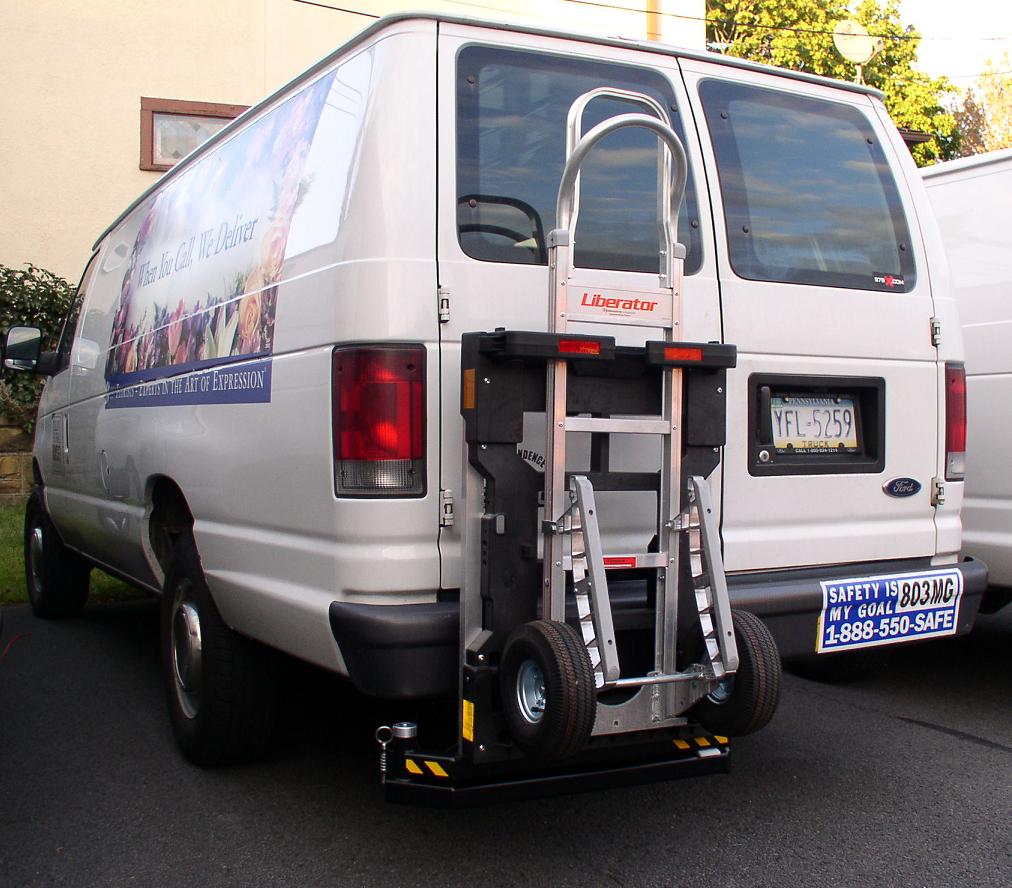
547 686
745 702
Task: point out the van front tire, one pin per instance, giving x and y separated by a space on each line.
56 577
221 688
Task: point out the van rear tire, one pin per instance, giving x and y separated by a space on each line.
221 688
56 577
746 701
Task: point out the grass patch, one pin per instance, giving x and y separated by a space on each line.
12 565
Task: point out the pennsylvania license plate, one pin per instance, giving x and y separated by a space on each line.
814 424
861 612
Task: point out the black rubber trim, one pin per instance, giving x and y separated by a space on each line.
399 651
790 601
407 651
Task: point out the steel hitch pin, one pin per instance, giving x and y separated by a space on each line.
384 734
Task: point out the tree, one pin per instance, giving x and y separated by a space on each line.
798 34
996 97
971 123
984 118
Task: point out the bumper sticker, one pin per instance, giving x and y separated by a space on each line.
861 612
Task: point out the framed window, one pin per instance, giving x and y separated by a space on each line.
512 107
809 197
171 128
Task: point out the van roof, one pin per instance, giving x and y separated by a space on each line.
386 21
961 164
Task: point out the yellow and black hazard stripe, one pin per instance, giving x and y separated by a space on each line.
425 768
703 742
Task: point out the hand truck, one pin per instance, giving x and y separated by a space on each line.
580 668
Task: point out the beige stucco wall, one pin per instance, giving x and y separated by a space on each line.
73 73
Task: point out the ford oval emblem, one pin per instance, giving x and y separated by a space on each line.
901 487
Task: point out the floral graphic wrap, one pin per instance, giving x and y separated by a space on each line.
195 318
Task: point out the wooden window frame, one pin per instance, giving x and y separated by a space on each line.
152 106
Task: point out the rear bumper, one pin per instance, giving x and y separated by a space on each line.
411 651
790 601
399 651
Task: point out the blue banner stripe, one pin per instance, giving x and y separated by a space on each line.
246 383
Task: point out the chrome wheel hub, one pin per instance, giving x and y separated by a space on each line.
723 692
35 549
531 691
186 654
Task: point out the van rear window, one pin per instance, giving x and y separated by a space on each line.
511 147
808 195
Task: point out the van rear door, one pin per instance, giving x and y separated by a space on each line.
504 99
825 291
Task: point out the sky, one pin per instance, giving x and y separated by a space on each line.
959 36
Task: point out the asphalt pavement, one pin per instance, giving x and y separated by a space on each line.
902 779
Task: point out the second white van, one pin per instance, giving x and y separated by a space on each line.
972 200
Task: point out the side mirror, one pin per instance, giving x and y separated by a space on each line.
22 348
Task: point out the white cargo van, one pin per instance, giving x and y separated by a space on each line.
972 200
304 388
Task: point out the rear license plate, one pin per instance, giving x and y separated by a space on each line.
814 424
861 612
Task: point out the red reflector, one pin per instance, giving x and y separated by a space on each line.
955 420
620 562
579 347
677 353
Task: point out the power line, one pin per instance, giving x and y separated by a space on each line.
338 8
554 19
675 15
979 76
714 21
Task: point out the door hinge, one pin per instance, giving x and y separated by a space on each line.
937 491
446 508
936 332
444 304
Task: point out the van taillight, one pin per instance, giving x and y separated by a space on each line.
955 422
379 420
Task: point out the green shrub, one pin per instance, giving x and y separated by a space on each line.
32 297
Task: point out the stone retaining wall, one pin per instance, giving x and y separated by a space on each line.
15 463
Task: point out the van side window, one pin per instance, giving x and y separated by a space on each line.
66 342
808 194
511 147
